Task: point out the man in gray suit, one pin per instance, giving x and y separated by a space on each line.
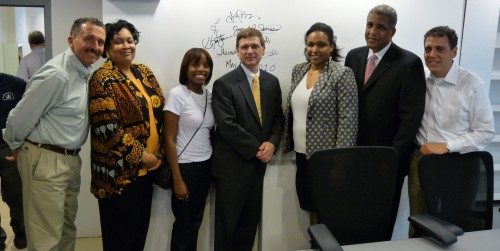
247 136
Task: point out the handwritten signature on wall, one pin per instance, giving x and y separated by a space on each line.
222 36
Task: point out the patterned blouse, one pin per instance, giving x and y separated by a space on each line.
119 119
332 109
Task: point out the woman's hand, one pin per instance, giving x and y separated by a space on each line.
180 190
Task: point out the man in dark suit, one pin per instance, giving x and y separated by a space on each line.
247 136
391 87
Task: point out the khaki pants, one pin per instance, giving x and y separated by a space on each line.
51 183
415 193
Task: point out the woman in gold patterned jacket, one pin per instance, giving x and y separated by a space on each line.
126 105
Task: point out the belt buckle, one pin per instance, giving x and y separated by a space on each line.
68 152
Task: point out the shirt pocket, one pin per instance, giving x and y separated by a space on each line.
454 117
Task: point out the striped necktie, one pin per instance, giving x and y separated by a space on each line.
370 67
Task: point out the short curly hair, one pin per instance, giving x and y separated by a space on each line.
113 28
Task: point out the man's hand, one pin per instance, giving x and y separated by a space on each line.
266 152
434 148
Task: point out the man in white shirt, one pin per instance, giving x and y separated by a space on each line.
35 59
458 116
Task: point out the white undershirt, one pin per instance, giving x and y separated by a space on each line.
300 100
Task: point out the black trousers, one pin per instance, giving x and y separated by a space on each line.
403 169
189 214
238 207
11 191
125 217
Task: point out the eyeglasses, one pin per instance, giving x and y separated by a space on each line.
245 48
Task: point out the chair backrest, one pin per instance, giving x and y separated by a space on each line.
353 191
458 188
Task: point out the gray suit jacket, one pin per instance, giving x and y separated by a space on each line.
332 111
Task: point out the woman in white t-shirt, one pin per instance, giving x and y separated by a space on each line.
188 119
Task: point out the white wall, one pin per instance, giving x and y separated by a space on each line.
7 37
28 19
169 28
21 29
478 45
7 25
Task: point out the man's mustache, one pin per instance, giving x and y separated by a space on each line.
93 51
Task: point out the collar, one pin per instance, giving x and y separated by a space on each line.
451 77
381 53
83 71
38 48
249 73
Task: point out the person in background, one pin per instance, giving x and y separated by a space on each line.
391 89
126 120
249 119
11 91
458 116
188 119
46 130
35 59
333 119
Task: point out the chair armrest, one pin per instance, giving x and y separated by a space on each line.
323 238
442 231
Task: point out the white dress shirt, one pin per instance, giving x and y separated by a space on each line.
457 111
379 54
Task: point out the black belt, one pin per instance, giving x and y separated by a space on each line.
56 149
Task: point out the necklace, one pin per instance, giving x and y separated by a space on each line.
312 72
192 96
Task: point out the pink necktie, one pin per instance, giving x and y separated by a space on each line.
370 67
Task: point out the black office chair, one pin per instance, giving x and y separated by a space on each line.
353 192
458 188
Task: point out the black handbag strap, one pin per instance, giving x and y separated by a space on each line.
204 112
